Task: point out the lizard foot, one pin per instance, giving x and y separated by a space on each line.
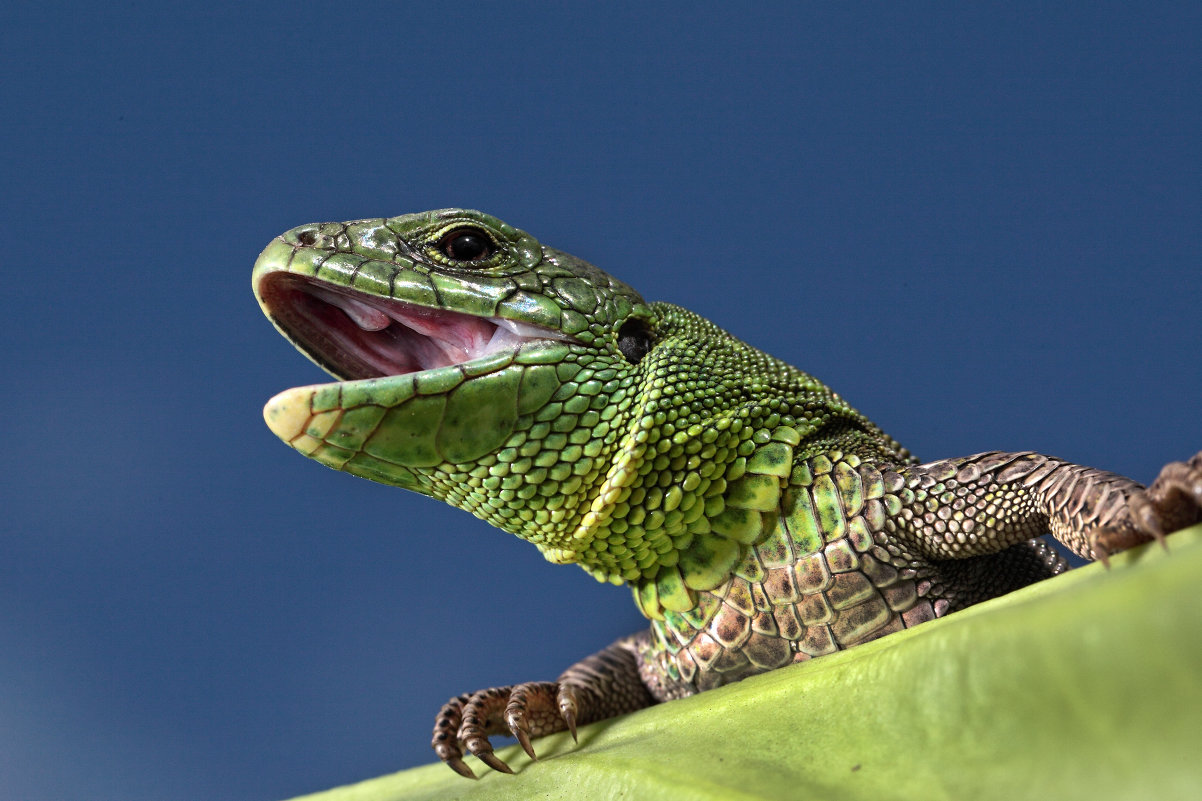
525 710
1173 501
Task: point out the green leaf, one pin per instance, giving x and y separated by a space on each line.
1084 686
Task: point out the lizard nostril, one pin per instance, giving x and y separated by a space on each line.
307 238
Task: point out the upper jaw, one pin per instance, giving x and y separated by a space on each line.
354 335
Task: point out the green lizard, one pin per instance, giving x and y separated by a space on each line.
758 518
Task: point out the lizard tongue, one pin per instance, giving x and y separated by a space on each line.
363 315
430 337
356 335
458 336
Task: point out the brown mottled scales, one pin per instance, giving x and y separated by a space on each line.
758 518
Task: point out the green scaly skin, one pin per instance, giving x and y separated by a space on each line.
759 519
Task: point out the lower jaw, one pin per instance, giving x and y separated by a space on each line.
384 428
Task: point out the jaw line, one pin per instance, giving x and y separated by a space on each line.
295 412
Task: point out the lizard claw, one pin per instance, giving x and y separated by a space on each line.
568 708
485 754
1100 552
523 736
459 766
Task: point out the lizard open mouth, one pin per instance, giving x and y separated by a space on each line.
354 335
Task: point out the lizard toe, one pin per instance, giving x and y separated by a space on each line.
445 741
1146 516
531 712
1104 541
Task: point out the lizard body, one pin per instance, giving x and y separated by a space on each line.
759 519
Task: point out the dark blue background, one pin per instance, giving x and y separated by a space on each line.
981 223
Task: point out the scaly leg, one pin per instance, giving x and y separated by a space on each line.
958 508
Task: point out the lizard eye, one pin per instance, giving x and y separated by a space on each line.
634 340
467 244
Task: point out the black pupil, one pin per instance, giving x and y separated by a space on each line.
467 245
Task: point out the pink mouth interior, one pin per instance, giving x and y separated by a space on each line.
355 336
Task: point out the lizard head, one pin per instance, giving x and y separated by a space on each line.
473 364
535 391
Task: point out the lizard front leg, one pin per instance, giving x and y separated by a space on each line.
981 504
600 686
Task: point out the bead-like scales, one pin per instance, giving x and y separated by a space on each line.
758 518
